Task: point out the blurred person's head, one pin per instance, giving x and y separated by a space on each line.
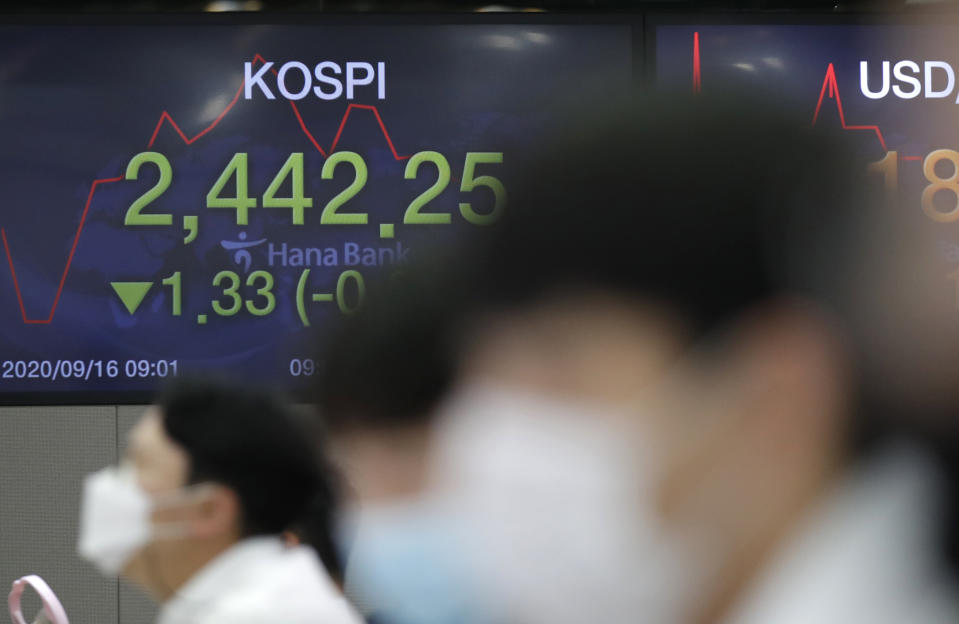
208 465
646 399
383 372
647 402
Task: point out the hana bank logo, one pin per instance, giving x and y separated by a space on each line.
241 249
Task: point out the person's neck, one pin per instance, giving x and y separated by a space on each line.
190 560
757 549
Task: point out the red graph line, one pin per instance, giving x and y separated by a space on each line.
66 269
379 120
166 117
830 84
16 284
697 67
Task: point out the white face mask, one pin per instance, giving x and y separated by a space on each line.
115 519
566 529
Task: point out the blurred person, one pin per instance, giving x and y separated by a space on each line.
892 276
385 369
213 474
654 416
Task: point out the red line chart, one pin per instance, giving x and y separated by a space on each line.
697 66
165 117
829 84
830 89
66 269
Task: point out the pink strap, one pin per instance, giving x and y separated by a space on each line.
51 605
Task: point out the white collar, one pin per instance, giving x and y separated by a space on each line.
225 572
867 555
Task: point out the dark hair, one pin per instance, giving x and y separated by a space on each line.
705 207
391 362
695 204
677 202
250 441
709 209
316 526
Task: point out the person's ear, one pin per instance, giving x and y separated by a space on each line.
216 511
794 365
768 410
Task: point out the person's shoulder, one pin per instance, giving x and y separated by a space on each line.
293 588
290 607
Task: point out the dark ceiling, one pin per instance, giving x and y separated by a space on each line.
471 5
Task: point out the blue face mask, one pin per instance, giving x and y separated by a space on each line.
404 565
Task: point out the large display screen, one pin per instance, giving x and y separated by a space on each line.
892 88
195 196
